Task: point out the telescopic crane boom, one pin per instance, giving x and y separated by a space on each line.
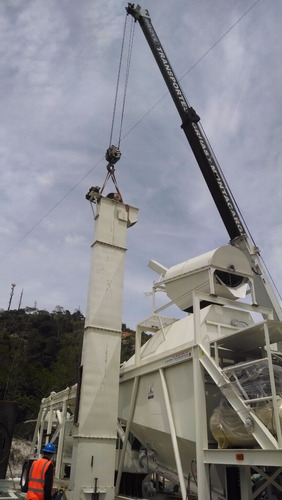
208 164
191 127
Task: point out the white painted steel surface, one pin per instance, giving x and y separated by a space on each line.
174 354
185 357
197 274
168 390
94 448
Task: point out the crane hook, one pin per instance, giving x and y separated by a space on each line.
113 155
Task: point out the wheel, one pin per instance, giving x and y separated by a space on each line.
24 475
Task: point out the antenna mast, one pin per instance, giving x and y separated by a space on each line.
11 295
20 301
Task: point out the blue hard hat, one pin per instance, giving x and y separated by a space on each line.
49 448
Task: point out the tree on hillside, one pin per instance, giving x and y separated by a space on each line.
40 353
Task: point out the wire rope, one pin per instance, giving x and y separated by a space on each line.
44 216
118 80
130 130
128 63
226 182
219 39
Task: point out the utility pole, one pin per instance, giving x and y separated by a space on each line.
11 295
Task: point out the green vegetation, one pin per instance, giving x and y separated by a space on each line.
40 353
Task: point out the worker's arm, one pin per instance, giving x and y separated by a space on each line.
49 482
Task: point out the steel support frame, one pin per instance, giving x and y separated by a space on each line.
203 474
270 446
268 480
59 472
173 435
262 435
201 425
245 482
265 439
273 389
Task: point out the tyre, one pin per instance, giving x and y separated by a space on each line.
24 475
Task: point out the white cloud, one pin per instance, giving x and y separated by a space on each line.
59 63
74 239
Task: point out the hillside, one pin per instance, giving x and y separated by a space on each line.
40 353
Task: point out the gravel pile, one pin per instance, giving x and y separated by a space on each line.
20 451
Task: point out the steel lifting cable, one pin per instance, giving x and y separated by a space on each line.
128 63
118 80
113 153
61 200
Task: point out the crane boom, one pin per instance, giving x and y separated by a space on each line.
192 129
208 164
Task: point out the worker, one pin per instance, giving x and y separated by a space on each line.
41 474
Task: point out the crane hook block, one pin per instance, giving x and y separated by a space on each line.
113 155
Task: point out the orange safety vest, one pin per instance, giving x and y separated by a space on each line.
36 479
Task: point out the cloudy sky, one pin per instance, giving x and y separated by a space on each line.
59 64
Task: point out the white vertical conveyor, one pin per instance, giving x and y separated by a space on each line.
93 460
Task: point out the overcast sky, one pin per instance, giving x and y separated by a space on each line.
59 64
